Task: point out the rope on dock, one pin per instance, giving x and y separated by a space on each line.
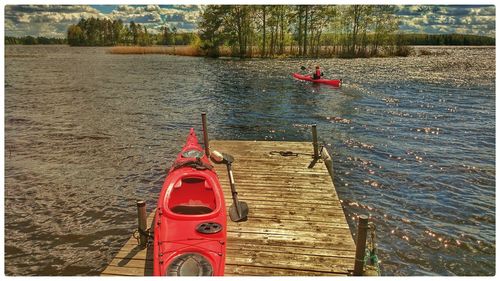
284 153
371 266
148 233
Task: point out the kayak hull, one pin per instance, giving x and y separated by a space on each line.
334 83
190 221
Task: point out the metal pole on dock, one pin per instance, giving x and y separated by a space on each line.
142 222
361 245
315 141
205 133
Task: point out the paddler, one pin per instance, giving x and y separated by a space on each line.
317 74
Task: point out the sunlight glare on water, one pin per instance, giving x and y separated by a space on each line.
87 133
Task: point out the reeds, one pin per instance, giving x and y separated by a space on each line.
184 50
288 51
161 50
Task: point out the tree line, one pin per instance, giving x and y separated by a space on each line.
301 30
448 39
269 31
313 31
30 40
191 38
106 32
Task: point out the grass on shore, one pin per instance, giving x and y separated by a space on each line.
181 50
161 50
188 50
224 51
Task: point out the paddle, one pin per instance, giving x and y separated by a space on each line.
304 68
239 209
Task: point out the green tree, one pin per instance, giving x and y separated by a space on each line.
118 32
166 37
134 32
75 35
263 49
212 30
384 24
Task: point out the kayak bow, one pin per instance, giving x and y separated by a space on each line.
335 83
190 220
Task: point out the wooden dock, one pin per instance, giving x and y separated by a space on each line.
295 226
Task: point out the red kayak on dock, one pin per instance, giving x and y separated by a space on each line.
190 220
335 83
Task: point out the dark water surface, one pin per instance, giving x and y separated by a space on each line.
87 133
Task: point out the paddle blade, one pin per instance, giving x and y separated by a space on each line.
242 215
228 157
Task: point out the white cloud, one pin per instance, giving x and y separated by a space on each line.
448 19
151 8
43 20
466 20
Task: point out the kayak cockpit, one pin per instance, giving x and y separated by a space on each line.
192 196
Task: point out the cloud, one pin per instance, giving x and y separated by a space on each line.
156 16
44 20
456 11
49 14
53 20
468 19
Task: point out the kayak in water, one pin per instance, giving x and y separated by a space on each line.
190 220
335 83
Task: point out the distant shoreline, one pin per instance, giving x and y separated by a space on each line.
191 51
187 50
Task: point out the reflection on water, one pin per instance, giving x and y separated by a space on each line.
87 133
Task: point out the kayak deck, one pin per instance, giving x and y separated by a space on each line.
296 224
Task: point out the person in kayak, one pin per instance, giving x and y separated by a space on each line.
317 74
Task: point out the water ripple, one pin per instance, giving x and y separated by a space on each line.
87 133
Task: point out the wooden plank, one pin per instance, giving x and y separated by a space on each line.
129 271
285 198
296 207
262 239
252 270
271 180
244 239
283 248
292 205
294 235
296 224
289 261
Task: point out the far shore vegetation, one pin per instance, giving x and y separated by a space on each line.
264 31
30 40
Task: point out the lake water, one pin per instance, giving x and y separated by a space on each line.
87 133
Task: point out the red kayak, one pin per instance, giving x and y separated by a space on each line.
335 83
190 220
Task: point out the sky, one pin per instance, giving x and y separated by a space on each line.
53 20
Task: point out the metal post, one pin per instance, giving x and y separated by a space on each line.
142 221
361 245
315 141
205 133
